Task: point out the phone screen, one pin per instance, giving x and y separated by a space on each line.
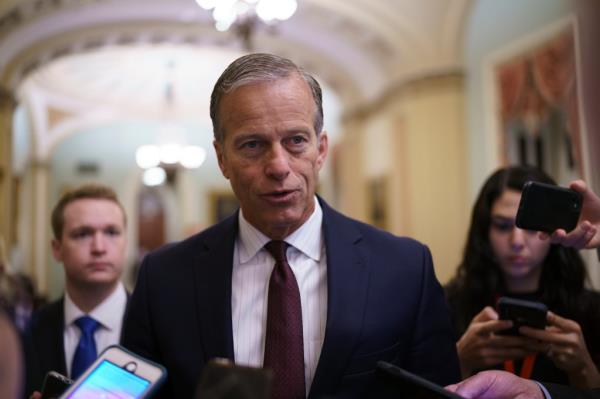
109 381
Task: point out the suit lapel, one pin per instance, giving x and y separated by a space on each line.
50 339
347 283
213 269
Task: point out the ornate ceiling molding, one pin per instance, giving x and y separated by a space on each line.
386 40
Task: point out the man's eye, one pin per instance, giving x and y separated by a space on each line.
250 144
113 232
81 234
298 139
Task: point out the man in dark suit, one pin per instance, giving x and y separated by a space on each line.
287 282
88 224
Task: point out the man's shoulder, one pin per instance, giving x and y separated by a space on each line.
192 246
47 317
51 310
334 220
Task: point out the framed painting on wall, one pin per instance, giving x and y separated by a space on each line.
222 204
378 214
537 103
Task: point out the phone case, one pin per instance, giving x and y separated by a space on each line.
545 207
522 313
148 394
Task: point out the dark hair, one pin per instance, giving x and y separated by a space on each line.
88 191
479 279
257 68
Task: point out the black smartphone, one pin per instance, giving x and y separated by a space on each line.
405 384
221 379
545 207
54 385
522 313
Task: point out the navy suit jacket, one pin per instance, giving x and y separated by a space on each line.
44 346
384 303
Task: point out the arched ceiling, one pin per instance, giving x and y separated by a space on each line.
85 59
358 46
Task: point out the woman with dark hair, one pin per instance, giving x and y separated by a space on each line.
502 260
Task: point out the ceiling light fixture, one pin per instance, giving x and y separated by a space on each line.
228 12
244 14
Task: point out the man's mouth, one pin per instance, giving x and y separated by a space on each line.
280 195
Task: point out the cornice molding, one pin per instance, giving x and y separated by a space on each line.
395 91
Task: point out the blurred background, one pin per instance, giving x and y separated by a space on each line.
422 100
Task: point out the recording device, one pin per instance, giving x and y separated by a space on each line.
221 379
522 313
545 207
405 384
117 373
54 385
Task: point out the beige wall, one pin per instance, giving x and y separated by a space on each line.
414 139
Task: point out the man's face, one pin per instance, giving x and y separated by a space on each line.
92 245
271 154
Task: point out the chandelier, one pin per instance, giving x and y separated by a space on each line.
240 12
162 159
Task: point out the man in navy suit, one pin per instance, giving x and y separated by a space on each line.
363 295
89 240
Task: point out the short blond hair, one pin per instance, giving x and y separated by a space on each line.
87 191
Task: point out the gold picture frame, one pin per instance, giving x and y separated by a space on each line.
223 203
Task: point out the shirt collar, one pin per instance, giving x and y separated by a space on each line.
104 313
307 239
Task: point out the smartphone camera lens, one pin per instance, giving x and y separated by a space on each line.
131 367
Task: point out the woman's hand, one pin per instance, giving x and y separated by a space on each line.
564 344
480 346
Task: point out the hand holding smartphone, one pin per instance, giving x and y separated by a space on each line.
117 373
521 313
405 384
545 207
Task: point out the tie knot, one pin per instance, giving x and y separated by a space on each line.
277 249
87 325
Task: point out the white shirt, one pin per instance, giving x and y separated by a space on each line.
110 316
252 267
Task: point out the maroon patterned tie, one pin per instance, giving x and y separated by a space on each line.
284 347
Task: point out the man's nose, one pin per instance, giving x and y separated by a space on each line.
278 162
98 243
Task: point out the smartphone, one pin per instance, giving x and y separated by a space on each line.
221 379
408 385
545 207
522 313
117 373
54 385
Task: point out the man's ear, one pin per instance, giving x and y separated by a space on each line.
323 146
56 249
221 157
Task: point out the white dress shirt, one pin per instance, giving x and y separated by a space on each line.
110 316
252 267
